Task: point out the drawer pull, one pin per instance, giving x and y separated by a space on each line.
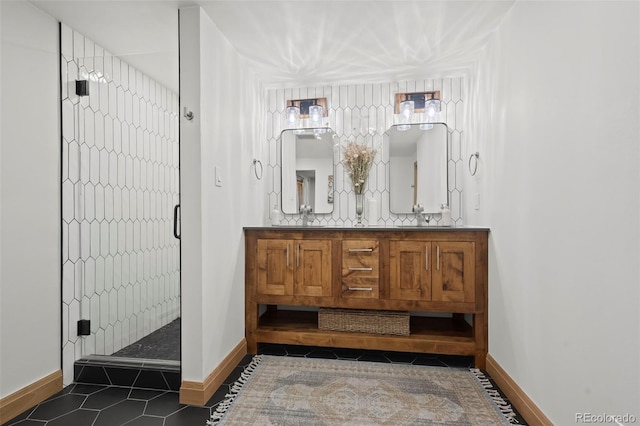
361 269
362 250
360 288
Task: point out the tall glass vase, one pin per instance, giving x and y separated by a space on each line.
359 209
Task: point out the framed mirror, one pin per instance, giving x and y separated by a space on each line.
418 158
307 164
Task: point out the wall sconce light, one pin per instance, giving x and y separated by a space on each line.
314 110
409 104
406 110
292 115
406 114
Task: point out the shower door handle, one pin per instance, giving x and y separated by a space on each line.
176 221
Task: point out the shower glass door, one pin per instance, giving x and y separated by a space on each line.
120 183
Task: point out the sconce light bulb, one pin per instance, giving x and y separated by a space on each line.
292 114
315 114
433 108
406 110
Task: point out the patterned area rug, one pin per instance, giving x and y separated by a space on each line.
305 391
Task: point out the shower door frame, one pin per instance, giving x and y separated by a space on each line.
91 65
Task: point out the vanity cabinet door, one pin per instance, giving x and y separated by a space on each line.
453 278
410 263
275 267
436 271
312 268
294 267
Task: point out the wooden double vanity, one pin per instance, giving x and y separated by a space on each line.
435 276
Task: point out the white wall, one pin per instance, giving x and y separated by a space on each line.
225 133
555 111
30 299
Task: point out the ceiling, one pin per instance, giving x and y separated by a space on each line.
297 43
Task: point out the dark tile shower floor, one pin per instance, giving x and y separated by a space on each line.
108 405
163 343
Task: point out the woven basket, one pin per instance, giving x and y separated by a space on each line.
364 321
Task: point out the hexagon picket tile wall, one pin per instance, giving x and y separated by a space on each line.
119 186
363 112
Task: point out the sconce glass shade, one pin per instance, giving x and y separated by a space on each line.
315 115
432 109
292 114
406 111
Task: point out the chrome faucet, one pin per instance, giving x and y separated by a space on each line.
421 218
305 210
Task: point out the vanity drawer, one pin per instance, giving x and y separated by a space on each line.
360 258
360 269
360 288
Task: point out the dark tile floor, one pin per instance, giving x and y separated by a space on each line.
107 405
163 343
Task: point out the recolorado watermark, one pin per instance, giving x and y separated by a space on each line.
617 419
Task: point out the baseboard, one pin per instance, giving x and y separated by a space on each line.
520 400
198 393
30 396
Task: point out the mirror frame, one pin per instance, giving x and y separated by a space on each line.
446 177
330 182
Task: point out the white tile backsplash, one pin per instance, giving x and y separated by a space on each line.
353 111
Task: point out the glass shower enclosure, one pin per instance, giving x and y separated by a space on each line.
120 184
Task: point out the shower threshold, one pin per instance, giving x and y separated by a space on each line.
128 372
152 362
112 360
